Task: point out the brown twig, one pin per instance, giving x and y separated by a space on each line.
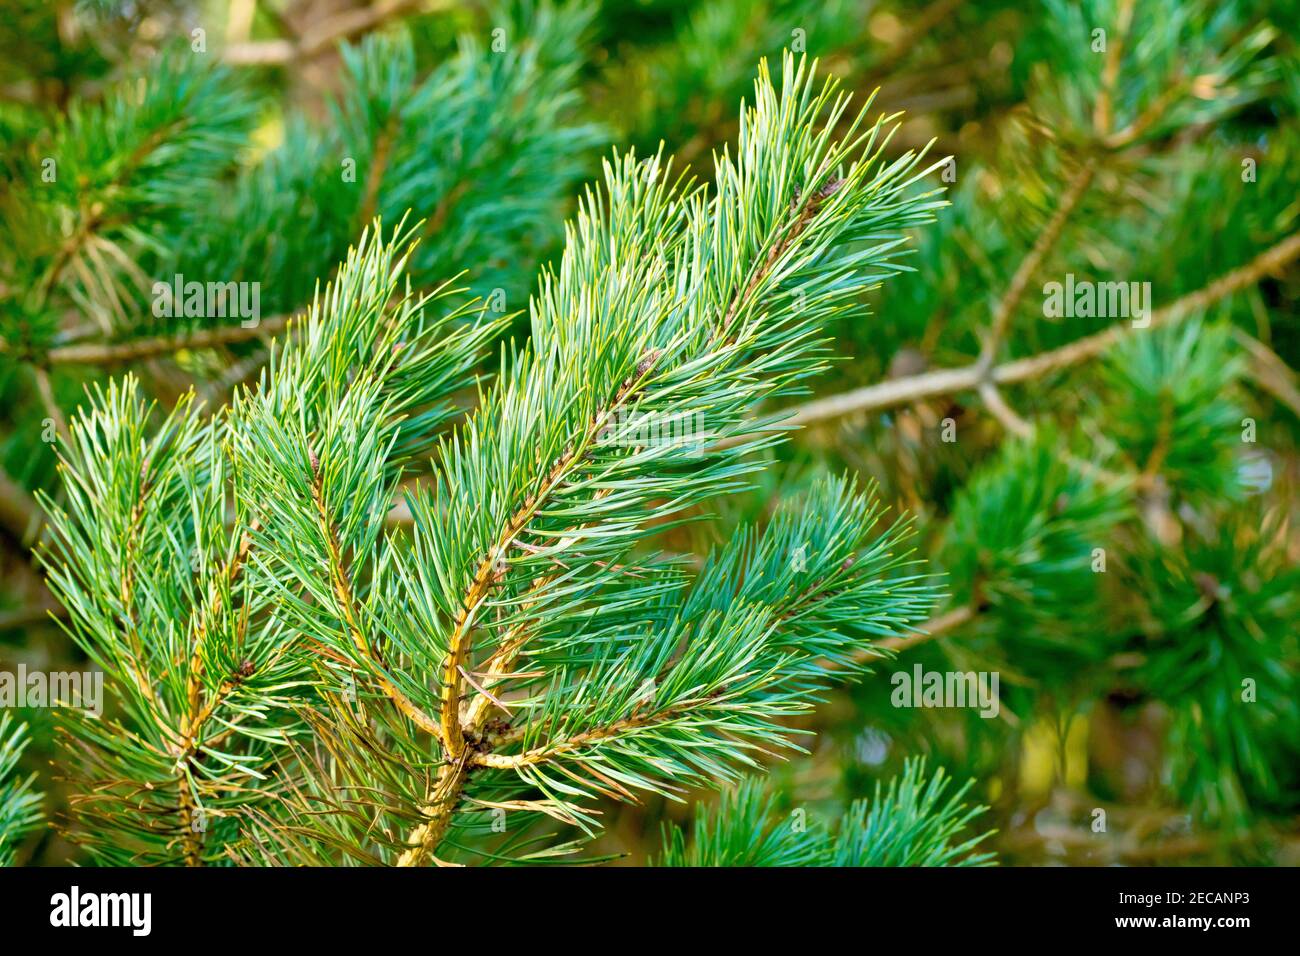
378 166
115 353
1102 118
342 26
129 613
199 712
551 748
914 388
1030 265
46 392
341 581
937 626
1007 416
1269 371
424 839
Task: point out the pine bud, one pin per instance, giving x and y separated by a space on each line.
831 187
647 361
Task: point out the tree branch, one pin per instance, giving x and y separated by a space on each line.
588 737
198 712
486 573
425 838
914 388
937 626
115 353
1029 266
341 581
46 392
342 26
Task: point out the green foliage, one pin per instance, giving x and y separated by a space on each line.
20 804
1021 541
195 616
682 90
745 829
1196 63
1222 654
481 152
837 584
668 303
100 196
359 604
914 822
1169 406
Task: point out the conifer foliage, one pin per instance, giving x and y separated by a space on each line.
406 410
912 823
20 803
247 649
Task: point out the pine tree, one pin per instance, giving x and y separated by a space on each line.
670 302
481 531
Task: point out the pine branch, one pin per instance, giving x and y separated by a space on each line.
120 353
345 595
1187 434
665 301
1212 603
1271 373
1029 266
914 388
201 621
346 25
338 491
1020 550
125 172
936 627
485 149
914 822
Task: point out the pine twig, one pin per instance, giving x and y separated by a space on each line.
914 388
116 353
1007 416
424 839
198 712
1269 371
1102 119
342 26
1015 292
46 392
1030 265
346 597
936 627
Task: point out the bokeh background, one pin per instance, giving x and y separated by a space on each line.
1115 521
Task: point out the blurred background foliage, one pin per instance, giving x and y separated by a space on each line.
1114 506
